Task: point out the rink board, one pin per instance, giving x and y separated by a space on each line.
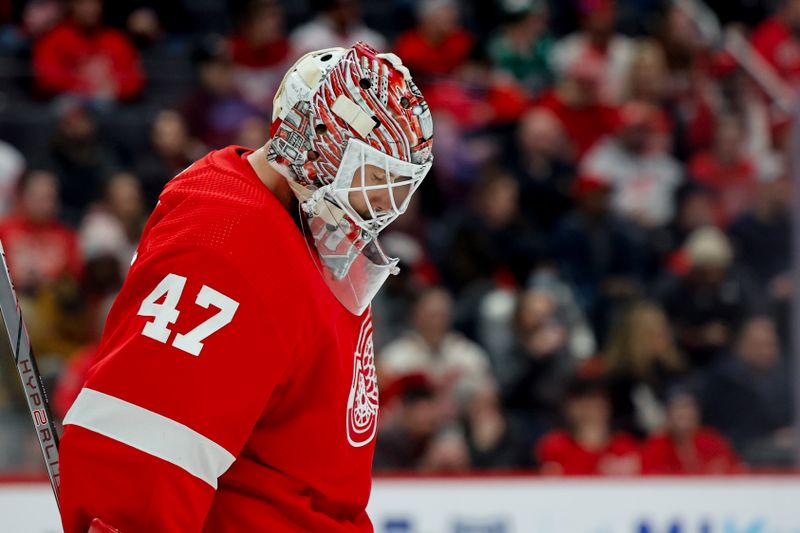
760 504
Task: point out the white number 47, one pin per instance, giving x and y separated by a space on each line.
166 313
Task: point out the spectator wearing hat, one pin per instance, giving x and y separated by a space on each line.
588 445
748 396
597 253
684 445
83 57
641 173
598 40
711 299
522 45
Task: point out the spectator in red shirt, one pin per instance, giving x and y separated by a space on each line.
776 39
438 45
577 104
39 248
597 38
259 52
685 446
83 57
726 170
588 446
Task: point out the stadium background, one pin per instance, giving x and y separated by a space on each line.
597 273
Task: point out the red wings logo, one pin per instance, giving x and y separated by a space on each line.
362 404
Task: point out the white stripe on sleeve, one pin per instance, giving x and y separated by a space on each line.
150 433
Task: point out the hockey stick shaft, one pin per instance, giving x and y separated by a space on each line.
20 346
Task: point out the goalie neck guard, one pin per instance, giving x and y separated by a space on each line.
352 134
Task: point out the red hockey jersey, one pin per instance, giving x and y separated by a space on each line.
235 393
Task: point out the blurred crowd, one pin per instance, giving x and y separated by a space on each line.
596 274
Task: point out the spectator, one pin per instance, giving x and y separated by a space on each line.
544 167
694 209
113 226
403 441
493 440
171 151
642 363
337 24
693 95
726 170
39 249
216 110
576 101
24 22
12 165
598 41
523 45
260 51
447 453
711 300
762 239
438 45
535 373
685 446
477 98
432 349
597 253
588 445
253 133
648 78
748 396
545 277
83 57
46 266
777 42
491 243
80 158
642 175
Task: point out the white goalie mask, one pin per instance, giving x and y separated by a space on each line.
352 134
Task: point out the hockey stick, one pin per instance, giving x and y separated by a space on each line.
19 345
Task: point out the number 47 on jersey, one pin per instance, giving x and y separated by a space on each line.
165 313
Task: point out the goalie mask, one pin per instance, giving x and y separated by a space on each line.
352 134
